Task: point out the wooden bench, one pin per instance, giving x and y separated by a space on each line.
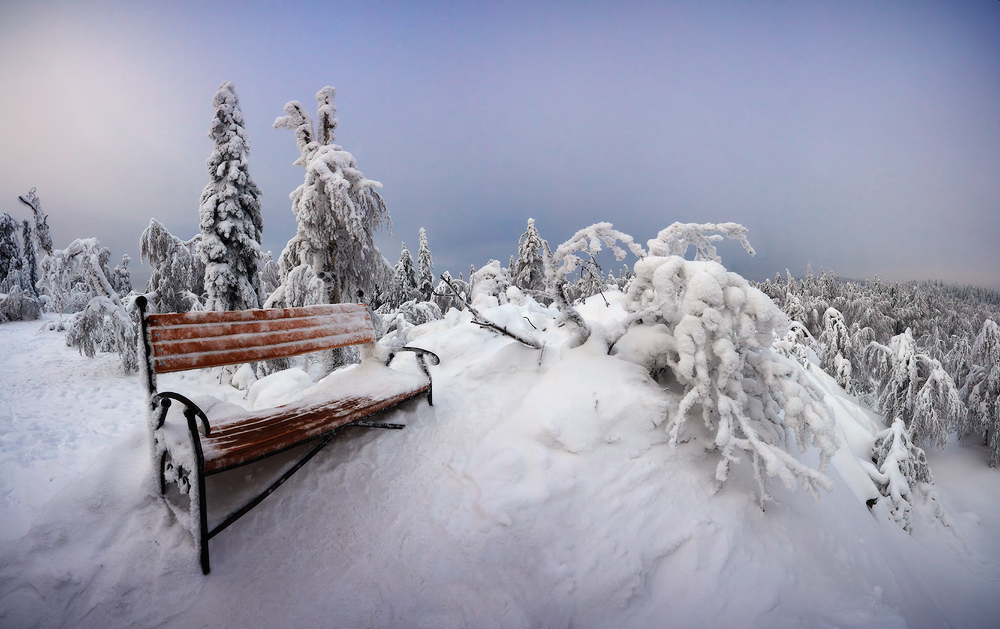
185 455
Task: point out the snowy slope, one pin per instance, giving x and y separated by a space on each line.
538 491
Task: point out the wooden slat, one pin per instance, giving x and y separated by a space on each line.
163 333
226 342
262 434
260 314
196 340
266 352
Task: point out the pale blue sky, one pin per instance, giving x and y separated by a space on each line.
861 136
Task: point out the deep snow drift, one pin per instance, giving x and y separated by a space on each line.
539 490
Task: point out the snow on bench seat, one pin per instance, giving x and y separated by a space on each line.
239 437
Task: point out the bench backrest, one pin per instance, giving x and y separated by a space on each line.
194 340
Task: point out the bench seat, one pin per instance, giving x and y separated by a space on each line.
239 437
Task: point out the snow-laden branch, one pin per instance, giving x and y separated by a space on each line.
677 238
482 321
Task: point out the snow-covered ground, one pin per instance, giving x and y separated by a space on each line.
539 490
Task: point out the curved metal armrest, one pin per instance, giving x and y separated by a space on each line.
419 351
163 399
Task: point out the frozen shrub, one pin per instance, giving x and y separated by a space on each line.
720 331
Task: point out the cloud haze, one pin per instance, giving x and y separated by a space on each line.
862 137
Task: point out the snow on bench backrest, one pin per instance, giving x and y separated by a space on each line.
195 340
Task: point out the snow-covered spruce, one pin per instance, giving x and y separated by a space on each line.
269 279
121 277
175 281
529 268
900 466
916 389
11 261
982 390
231 222
30 256
404 279
835 341
337 210
425 268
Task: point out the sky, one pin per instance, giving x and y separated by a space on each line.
860 137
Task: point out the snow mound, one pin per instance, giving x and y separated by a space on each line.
539 490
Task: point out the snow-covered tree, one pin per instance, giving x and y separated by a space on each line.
121 277
712 332
900 466
982 390
490 282
446 298
835 338
269 279
404 279
231 222
529 269
591 280
19 300
10 248
715 340
337 210
78 272
567 258
795 343
175 271
835 341
19 305
425 268
30 256
43 239
916 389
795 310
103 323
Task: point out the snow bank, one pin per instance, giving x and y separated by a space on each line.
539 490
